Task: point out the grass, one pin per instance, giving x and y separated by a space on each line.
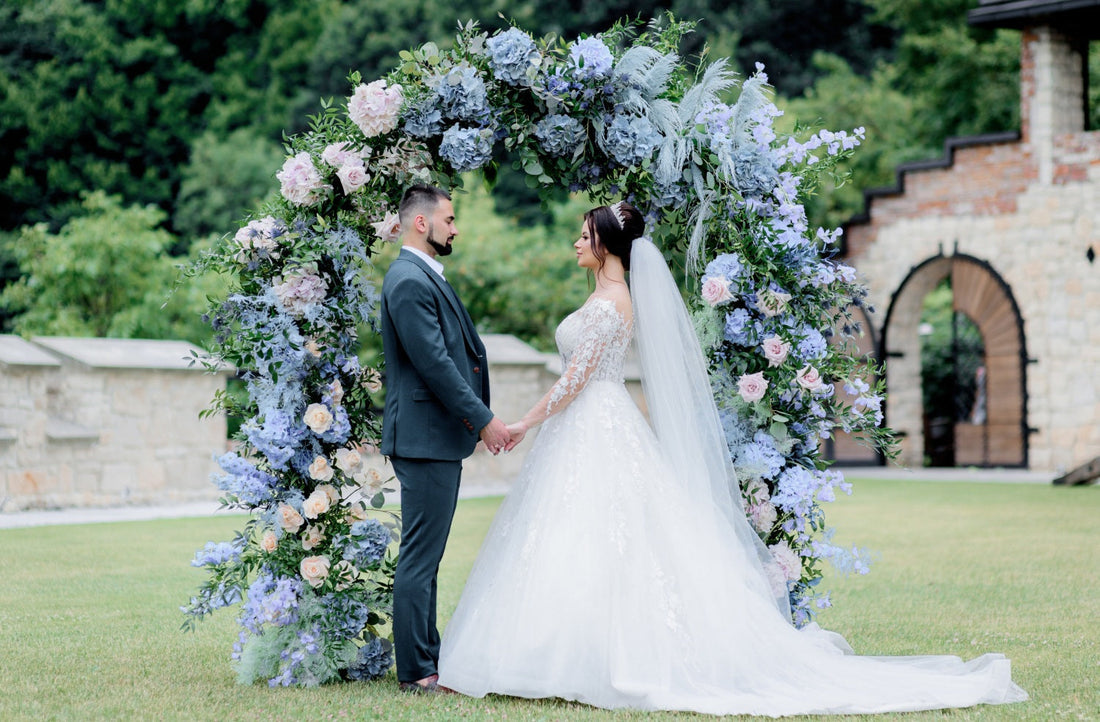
89 621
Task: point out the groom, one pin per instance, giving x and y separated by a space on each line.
437 406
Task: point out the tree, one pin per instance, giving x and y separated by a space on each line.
105 273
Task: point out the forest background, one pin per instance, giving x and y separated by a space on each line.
134 133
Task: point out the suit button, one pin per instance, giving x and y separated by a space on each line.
477 369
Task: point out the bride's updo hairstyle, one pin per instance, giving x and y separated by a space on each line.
616 226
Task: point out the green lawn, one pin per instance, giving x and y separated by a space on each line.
89 621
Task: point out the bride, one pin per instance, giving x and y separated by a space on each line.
620 571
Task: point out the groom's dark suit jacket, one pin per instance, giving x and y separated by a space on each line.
437 376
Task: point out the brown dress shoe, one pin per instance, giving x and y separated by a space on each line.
428 685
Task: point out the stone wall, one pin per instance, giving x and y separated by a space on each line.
1030 209
95 422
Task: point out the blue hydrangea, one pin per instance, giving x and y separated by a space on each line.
217 553
277 437
365 544
812 346
591 59
560 135
511 54
738 328
466 148
760 459
462 94
424 120
755 172
795 491
631 139
345 616
243 481
726 265
374 659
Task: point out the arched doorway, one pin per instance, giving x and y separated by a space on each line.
983 422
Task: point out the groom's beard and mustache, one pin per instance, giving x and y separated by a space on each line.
442 249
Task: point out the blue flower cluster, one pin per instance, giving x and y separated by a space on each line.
366 543
424 120
512 54
344 615
631 139
591 59
462 94
213 553
247 485
373 660
760 459
466 148
560 135
271 600
725 265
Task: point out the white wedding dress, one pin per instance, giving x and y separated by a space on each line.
602 581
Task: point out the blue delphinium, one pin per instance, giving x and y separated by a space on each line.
560 135
462 94
466 148
271 600
631 139
248 485
591 59
374 659
215 553
511 54
277 436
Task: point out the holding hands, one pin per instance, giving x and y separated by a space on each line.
497 437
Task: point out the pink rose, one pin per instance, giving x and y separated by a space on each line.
809 378
375 108
289 518
318 418
316 504
771 302
301 183
776 350
716 290
298 292
353 176
314 570
320 469
389 228
337 154
752 387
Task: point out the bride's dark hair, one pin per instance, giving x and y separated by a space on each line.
614 238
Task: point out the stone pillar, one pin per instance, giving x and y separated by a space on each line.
1052 91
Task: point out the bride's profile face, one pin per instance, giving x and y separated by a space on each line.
583 245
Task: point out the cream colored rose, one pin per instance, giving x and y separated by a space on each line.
331 491
772 303
356 512
314 570
809 378
336 390
372 380
269 542
318 418
389 228
316 504
289 518
313 348
320 469
346 572
314 536
349 461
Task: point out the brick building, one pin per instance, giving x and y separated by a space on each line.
1012 222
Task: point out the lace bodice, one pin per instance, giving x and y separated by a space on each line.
593 342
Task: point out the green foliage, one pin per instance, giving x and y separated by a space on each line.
105 273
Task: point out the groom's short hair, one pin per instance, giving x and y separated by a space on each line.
419 200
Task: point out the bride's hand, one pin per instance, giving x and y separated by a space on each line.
516 431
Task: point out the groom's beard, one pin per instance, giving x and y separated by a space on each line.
442 249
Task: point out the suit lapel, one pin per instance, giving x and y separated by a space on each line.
469 332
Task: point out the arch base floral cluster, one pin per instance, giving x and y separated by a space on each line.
617 115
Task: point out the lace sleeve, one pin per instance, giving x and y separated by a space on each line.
597 325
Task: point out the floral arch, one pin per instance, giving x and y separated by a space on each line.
615 115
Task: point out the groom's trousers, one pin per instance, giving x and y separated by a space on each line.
429 494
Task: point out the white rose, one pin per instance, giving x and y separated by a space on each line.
318 418
389 228
314 570
358 512
320 469
809 378
348 461
313 348
289 518
316 504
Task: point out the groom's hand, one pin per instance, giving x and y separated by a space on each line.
496 436
516 431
